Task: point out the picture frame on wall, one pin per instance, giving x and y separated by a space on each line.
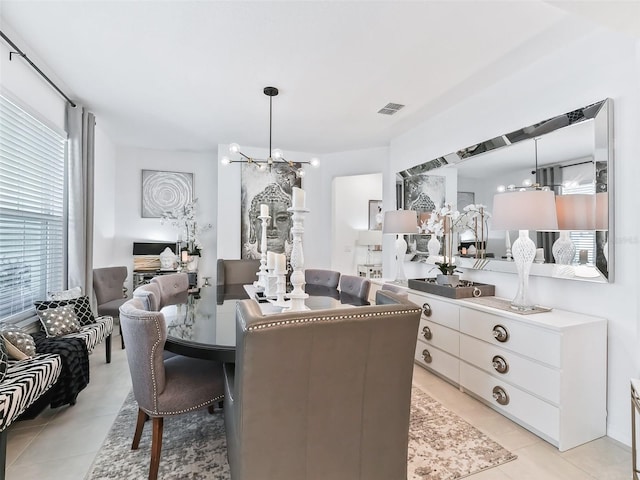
164 192
274 189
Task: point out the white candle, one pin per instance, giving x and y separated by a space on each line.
281 261
271 260
298 197
264 210
184 256
507 239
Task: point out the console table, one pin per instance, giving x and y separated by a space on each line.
545 371
140 277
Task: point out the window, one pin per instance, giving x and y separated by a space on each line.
583 240
32 212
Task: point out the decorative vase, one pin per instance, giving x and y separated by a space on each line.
450 280
433 246
192 264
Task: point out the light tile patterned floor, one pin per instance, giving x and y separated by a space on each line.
60 444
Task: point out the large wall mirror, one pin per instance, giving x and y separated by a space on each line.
572 154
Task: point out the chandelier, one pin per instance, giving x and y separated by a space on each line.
276 156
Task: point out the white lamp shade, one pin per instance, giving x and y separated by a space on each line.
576 212
370 237
400 222
525 210
602 211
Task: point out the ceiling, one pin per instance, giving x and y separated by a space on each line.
187 75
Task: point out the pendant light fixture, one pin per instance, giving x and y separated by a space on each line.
275 156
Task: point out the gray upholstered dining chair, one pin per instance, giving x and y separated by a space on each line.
163 387
325 278
108 286
356 286
174 288
395 289
149 295
237 272
340 409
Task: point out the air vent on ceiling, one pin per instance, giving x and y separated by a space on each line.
390 108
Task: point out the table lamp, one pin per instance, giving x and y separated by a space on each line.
575 212
400 223
370 238
523 211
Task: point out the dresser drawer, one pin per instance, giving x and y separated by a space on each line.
528 340
519 371
437 311
440 362
438 336
522 406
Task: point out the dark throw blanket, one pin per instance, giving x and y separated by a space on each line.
75 367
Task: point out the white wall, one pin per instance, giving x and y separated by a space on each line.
591 68
316 183
350 213
131 227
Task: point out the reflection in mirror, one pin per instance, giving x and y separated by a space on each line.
570 154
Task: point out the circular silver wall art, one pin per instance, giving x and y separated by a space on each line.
163 192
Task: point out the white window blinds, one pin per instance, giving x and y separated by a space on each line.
32 213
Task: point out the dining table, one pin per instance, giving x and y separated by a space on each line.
204 326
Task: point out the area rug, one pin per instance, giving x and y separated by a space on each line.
442 446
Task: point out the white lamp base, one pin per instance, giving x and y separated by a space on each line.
524 251
401 250
563 249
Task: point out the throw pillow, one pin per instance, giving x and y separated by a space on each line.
81 306
13 352
74 292
20 339
59 321
4 358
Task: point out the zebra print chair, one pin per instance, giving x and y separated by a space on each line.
25 381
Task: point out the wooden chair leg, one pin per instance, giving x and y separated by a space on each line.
121 337
156 447
142 417
211 409
3 453
107 348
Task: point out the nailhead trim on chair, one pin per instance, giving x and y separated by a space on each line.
329 317
155 411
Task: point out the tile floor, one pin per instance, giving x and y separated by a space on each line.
60 444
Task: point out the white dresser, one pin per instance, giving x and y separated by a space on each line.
545 371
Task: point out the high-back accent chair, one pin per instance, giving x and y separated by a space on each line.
149 295
174 288
163 387
325 278
237 272
356 286
108 286
319 395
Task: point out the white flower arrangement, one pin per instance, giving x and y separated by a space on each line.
184 218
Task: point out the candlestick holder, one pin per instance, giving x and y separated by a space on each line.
261 283
270 284
297 295
281 289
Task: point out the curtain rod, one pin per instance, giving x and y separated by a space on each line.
33 65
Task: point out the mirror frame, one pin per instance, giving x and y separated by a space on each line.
602 115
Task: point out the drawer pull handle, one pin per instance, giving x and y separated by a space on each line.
500 364
426 310
500 333
500 396
426 333
427 356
